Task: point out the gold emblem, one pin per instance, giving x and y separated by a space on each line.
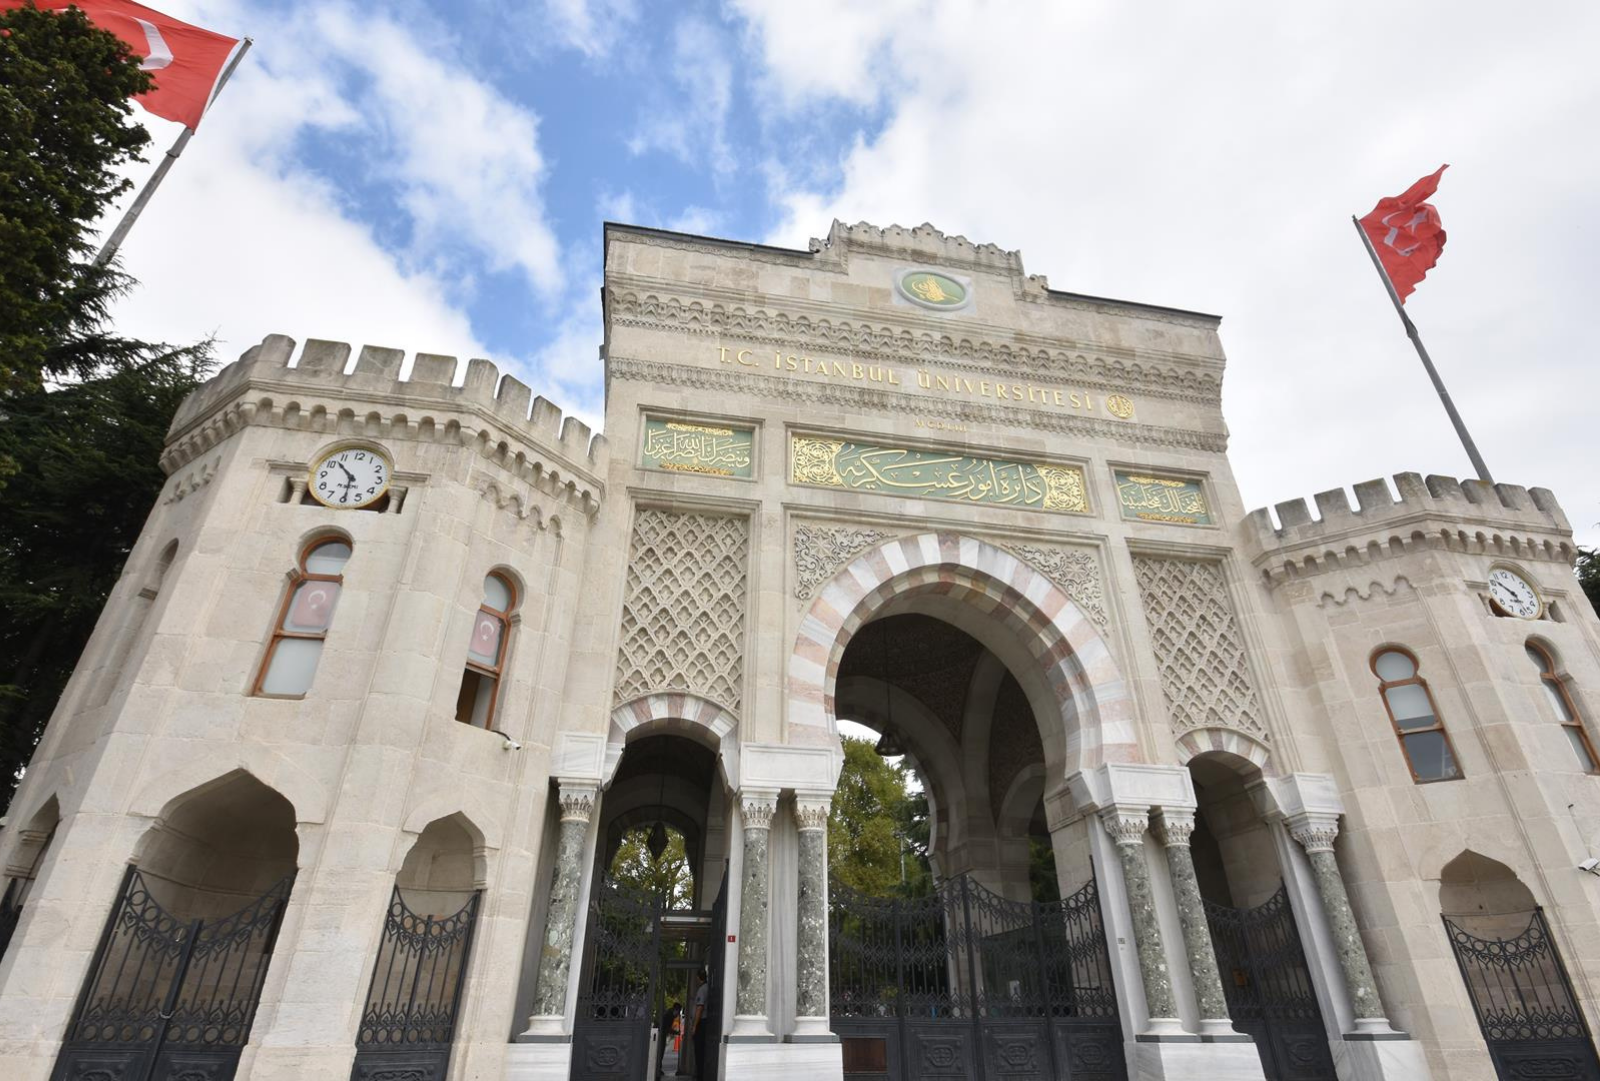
932 290
1118 406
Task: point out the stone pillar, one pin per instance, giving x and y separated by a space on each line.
1127 828
560 930
756 809
1315 833
1176 829
811 930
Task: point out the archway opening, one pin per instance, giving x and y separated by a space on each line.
1485 896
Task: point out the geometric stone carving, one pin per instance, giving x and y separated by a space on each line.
1199 650
683 614
819 552
1075 570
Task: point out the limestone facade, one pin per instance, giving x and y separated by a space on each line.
801 447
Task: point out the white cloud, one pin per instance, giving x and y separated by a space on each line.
692 124
592 27
1210 157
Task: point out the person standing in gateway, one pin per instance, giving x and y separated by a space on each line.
702 1000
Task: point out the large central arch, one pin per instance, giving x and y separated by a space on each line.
1022 616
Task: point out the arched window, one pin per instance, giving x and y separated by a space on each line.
303 621
1416 722
486 653
1555 692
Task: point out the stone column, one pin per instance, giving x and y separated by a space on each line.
1315 833
1127 828
811 931
555 959
750 1011
1176 829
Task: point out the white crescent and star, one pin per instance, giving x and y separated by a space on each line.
160 54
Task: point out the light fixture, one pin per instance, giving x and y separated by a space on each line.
888 745
657 843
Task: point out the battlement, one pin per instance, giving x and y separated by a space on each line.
1502 507
216 409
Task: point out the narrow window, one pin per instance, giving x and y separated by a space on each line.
1416 721
1555 692
303 621
486 653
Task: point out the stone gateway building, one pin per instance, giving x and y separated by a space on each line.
404 658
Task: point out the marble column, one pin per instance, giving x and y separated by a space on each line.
1127 829
1176 829
750 1011
1316 833
811 931
555 958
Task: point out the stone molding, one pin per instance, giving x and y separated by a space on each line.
577 802
820 550
1039 357
811 812
716 381
756 809
1132 784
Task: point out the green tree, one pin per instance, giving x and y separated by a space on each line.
1589 575
65 129
877 830
83 411
669 877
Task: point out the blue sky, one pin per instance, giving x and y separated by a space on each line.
434 177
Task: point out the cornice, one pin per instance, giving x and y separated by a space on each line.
1132 433
1093 367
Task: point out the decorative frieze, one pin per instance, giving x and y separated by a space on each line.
820 551
940 475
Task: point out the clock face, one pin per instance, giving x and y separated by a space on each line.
350 478
1513 594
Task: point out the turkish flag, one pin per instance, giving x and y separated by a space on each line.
184 60
1407 234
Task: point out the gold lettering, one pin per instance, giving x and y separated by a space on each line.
722 353
1073 399
838 369
893 382
922 379
740 357
1001 391
855 371
1058 397
943 383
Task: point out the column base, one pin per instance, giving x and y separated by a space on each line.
750 1027
545 1028
543 1060
811 1028
782 1061
1164 1026
1381 1056
1211 1028
1167 1058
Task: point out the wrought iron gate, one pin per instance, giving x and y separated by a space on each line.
410 1015
1267 983
1524 1002
616 997
168 998
967 984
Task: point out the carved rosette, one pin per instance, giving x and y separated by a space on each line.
1126 827
820 551
812 814
756 811
1075 570
577 802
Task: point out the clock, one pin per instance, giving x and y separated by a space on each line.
1514 595
349 478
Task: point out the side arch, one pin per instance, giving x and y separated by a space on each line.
1094 707
304 792
1199 741
686 714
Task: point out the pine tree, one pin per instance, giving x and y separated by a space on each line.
83 411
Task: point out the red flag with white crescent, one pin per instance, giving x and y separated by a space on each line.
185 61
1407 234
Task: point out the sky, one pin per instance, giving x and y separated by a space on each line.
434 177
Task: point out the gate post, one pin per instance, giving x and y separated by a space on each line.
756 808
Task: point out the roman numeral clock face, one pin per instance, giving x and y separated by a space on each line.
1513 594
351 478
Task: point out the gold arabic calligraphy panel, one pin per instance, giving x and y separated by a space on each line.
682 447
930 474
1179 500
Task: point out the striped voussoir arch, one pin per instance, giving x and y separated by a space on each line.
1198 741
1096 709
671 711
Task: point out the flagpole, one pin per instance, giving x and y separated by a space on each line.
131 215
1427 361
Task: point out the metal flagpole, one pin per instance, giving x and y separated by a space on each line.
1427 361
131 215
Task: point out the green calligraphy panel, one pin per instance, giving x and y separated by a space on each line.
930 474
1179 500
683 447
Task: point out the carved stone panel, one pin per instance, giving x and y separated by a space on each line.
1075 570
820 551
683 617
1199 648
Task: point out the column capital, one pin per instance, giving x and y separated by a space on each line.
577 801
756 808
811 809
1175 828
1127 825
1314 830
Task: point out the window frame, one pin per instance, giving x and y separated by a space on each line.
1550 677
497 671
1400 734
296 580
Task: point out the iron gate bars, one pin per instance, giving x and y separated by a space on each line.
611 1033
1267 984
1523 1000
168 997
409 1019
965 983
